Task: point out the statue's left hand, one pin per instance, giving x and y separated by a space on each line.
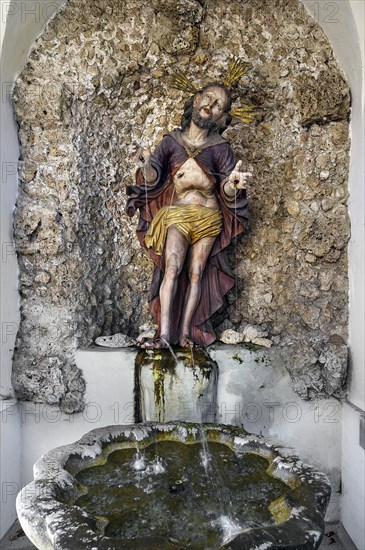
237 178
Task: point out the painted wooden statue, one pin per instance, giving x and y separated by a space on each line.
192 202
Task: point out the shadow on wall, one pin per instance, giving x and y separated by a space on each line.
95 81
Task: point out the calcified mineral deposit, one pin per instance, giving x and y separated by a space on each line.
96 80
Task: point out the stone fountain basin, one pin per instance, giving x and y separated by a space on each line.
50 518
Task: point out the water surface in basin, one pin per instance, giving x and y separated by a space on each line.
181 493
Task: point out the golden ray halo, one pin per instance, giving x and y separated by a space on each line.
181 82
236 68
245 114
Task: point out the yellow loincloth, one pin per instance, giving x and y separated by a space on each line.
194 222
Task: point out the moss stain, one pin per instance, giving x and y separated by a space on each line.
159 390
280 509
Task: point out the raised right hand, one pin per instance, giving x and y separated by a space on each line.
140 155
237 178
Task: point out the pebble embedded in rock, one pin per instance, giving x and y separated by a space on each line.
115 341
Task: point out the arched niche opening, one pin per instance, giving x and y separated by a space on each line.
96 80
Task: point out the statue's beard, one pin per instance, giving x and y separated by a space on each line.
203 123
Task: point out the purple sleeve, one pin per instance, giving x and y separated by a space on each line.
159 161
225 161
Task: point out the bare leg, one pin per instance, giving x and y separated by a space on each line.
175 252
197 259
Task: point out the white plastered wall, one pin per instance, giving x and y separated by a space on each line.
21 22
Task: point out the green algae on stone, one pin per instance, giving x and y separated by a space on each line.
280 510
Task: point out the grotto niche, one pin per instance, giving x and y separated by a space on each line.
95 81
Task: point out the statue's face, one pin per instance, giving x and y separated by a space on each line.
209 107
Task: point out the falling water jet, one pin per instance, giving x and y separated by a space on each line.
139 462
192 354
170 349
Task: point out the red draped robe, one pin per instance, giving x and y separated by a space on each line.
217 161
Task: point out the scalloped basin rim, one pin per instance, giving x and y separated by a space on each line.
50 523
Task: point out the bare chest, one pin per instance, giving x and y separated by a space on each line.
192 186
191 176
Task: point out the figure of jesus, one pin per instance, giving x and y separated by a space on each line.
192 201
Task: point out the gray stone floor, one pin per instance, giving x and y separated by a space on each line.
335 538
15 539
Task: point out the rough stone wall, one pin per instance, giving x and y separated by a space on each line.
97 80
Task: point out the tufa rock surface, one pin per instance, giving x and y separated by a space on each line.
97 79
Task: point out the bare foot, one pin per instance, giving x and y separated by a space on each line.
185 342
156 343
